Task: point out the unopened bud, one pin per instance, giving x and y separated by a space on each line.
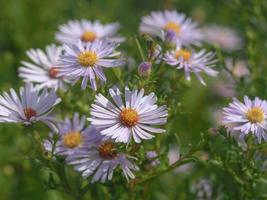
170 36
144 69
152 157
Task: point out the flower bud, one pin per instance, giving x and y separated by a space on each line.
144 69
152 157
170 36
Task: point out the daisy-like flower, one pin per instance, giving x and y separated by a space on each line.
224 37
135 118
248 117
176 28
87 31
43 69
191 61
72 135
87 61
100 159
30 106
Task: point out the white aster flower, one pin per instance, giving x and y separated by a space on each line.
192 62
30 106
87 61
176 28
71 136
248 117
135 117
100 159
224 37
87 31
43 69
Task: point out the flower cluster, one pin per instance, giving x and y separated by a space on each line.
171 26
118 120
182 34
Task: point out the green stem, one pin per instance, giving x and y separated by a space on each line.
139 48
85 189
145 194
221 60
62 176
115 72
187 158
170 168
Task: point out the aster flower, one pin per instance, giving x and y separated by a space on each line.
248 117
224 37
87 31
100 159
43 69
135 118
192 62
176 28
87 61
72 135
30 106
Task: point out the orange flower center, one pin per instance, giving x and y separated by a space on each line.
53 72
72 139
29 113
255 115
185 54
107 151
129 117
172 26
88 36
87 58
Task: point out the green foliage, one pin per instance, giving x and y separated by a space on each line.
236 172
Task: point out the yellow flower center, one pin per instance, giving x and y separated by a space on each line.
172 26
107 151
29 113
87 58
72 139
255 115
185 54
129 117
88 36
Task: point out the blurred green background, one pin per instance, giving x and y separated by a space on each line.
28 24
